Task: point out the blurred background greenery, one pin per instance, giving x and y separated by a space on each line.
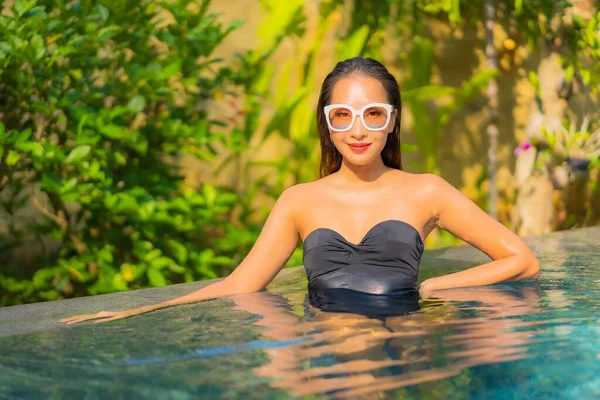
142 143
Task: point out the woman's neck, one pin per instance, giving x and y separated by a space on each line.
351 173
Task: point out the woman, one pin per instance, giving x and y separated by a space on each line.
364 222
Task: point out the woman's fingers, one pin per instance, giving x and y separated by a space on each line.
114 318
75 318
86 317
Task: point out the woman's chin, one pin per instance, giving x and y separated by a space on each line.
359 159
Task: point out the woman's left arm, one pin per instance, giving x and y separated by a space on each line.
512 259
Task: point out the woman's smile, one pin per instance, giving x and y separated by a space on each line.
359 147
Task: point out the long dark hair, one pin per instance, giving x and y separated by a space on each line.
331 159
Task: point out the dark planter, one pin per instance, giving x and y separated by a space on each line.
578 164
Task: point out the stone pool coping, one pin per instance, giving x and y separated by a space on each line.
16 320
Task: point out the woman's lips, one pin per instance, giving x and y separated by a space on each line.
359 148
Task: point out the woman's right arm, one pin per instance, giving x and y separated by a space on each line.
273 248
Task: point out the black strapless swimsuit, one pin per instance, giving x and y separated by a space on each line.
385 262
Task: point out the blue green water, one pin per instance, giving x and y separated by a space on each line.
525 340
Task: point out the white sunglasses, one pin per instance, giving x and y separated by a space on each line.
374 116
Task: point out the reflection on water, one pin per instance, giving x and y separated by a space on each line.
519 340
350 355
347 355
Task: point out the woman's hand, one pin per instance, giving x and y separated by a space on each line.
102 316
273 248
427 288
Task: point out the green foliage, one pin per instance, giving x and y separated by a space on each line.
570 141
449 7
572 155
585 62
100 99
419 93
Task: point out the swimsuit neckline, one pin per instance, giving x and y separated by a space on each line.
420 239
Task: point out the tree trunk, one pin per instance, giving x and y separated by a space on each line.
492 93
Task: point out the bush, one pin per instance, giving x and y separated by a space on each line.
99 100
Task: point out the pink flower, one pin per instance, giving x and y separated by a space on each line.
522 147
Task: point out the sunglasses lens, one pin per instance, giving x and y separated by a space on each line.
375 117
340 118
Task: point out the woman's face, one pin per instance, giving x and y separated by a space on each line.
359 145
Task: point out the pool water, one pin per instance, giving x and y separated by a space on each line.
524 340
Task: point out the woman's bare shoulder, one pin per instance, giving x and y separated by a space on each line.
433 184
423 183
425 189
434 192
296 195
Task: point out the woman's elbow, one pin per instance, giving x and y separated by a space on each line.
531 267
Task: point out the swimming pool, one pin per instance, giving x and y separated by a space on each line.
510 341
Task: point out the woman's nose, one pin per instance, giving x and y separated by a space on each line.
358 131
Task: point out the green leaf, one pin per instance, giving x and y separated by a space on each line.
78 154
179 251
22 6
139 144
38 45
102 12
12 285
283 113
409 148
113 131
533 78
108 32
221 260
119 158
205 256
125 202
118 283
155 277
578 20
179 204
518 6
137 103
22 137
152 254
454 12
51 183
77 74
354 45
224 199
43 275
171 69
13 158
178 269
161 262
282 16
586 75
141 247
33 148
210 194
49 294
428 92
68 186
39 11
569 73
421 63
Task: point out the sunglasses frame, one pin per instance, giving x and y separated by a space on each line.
388 107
